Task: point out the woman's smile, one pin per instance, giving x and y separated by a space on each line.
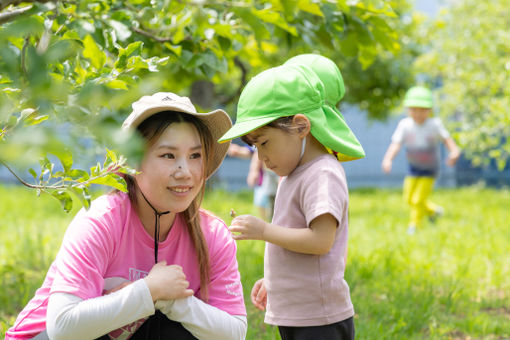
180 190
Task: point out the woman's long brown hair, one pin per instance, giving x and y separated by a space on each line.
152 128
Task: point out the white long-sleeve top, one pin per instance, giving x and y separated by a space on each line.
71 317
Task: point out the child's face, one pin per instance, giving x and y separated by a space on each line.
278 149
419 114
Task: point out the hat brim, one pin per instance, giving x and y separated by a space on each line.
418 103
245 127
217 121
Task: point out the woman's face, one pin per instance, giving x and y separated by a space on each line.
172 169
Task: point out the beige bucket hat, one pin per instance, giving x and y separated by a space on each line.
217 121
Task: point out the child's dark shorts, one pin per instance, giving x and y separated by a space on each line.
342 330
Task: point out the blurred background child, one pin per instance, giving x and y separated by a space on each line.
420 134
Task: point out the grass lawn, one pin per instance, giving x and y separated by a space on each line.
450 280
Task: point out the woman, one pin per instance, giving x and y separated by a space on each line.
150 263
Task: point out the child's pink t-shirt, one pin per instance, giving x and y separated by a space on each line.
302 289
108 242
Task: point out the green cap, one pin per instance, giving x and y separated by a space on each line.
418 96
288 90
330 76
328 73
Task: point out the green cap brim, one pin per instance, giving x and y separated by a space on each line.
418 103
242 128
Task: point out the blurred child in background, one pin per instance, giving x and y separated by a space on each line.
263 181
420 134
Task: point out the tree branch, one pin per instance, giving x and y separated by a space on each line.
61 186
151 36
19 178
244 74
9 15
6 3
23 54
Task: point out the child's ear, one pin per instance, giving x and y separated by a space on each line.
302 124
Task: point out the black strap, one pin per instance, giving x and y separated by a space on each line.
157 216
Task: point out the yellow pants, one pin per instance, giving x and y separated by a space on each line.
416 193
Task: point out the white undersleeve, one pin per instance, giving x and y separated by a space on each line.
203 320
70 317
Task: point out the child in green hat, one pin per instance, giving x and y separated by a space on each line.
421 136
284 113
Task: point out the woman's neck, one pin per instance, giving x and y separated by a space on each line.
147 217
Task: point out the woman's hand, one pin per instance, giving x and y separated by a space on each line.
167 282
247 227
259 295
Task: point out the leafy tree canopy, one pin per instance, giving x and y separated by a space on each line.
69 70
469 57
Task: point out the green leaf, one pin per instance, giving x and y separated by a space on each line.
117 84
225 43
33 173
36 120
92 52
110 156
121 62
137 62
122 31
310 7
82 194
223 30
66 159
64 199
45 164
274 18
154 62
78 175
259 30
58 174
95 170
111 180
176 49
131 48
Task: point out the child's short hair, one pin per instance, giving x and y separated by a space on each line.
283 123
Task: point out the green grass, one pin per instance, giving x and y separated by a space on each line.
448 281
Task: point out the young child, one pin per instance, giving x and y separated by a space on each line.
283 112
421 136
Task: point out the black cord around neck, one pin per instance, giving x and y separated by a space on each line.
157 216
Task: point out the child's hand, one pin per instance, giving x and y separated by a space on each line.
247 227
259 295
386 166
167 282
452 158
252 178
